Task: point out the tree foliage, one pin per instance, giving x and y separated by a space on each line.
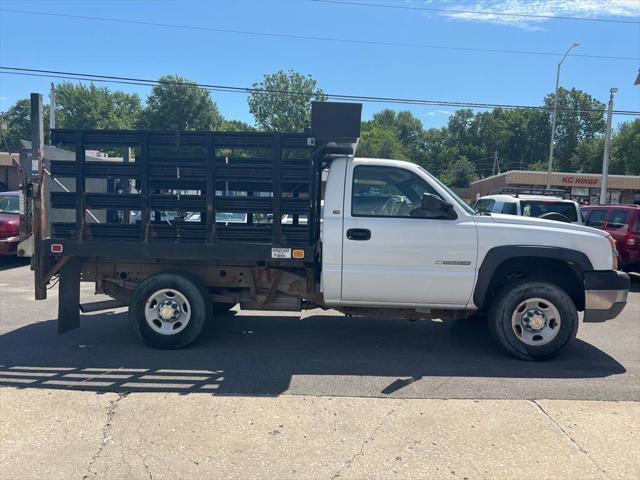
625 149
179 104
460 173
282 101
91 107
459 152
580 117
17 121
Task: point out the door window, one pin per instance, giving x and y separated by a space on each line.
618 219
387 192
485 205
510 208
596 218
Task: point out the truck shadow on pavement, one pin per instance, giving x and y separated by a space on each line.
7 263
258 355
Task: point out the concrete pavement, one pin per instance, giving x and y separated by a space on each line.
77 435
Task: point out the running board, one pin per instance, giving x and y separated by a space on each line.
99 306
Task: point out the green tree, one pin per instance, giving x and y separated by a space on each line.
17 121
460 173
625 149
179 104
580 117
377 141
236 126
587 156
282 101
432 145
91 107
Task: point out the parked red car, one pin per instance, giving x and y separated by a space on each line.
623 223
9 223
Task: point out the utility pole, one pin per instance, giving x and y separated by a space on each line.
607 147
52 109
496 164
555 114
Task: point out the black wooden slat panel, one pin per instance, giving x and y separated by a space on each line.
128 201
179 232
299 206
177 171
114 231
244 204
160 183
207 162
295 233
175 202
63 199
240 232
99 137
244 173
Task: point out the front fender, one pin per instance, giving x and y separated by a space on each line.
497 255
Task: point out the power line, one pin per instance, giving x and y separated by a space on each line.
477 12
311 37
250 90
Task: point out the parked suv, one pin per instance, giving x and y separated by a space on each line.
623 223
543 203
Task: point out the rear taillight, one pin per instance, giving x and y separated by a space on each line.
8 230
631 239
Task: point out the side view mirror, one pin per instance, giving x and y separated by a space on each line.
434 207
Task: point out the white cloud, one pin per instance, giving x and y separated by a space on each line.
433 113
627 9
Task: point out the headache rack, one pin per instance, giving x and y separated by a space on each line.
226 196
517 191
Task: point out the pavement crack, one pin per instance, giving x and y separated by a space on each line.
360 452
570 438
106 431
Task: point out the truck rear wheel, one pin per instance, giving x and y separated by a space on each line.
533 320
168 310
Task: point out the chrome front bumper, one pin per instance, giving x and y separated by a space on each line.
605 295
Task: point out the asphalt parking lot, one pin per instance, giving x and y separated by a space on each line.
266 395
318 353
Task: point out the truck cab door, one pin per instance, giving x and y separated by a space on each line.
393 258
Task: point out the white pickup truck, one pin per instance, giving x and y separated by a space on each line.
391 240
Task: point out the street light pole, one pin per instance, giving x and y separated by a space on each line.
607 147
555 113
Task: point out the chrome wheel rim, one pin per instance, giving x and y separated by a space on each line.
167 311
536 322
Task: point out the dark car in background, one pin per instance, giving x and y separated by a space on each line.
623 223
9 222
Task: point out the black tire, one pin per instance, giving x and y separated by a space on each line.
218 307
509 298
197 305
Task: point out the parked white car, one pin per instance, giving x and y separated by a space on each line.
547 204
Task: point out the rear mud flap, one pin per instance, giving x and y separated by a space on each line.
69 296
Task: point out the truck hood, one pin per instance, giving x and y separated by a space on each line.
540 222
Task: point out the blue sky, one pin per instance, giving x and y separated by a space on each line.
81 45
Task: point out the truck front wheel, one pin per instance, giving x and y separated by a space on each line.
168 310
533 320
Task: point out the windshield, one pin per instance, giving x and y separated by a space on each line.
538 208
465 206
9 205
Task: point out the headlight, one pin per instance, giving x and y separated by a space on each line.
614 252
